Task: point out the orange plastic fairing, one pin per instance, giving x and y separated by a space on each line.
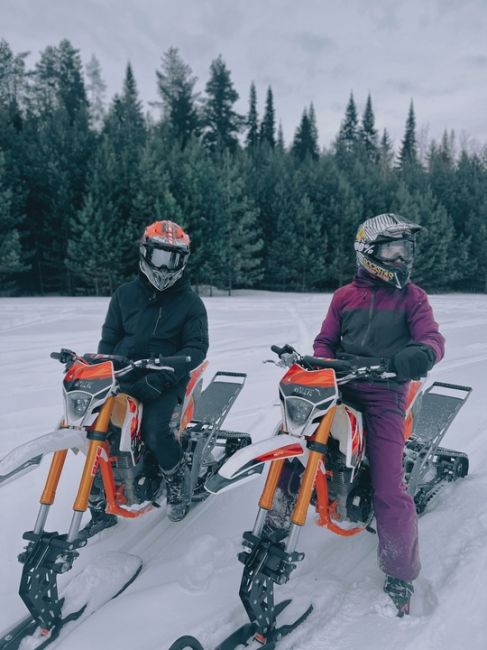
282 452
195 375
414 389
296 375
80 370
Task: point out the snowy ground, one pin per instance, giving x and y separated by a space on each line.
190 577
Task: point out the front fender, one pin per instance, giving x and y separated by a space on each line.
27 454
247 463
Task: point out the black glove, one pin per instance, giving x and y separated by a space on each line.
413 361
152 385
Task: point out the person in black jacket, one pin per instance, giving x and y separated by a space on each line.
156 314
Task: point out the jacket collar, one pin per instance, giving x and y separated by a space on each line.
155 296
362 279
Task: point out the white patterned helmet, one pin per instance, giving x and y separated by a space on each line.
384 246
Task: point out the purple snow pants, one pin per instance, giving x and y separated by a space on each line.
394 508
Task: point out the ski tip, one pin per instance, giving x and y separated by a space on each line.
186 643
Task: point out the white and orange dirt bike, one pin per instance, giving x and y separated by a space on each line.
105 424
324 435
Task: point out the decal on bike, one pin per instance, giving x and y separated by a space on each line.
97 461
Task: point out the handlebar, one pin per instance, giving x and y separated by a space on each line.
68 357
347 369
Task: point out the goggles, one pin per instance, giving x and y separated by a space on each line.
162 258
395 250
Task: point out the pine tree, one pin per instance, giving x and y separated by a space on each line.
349 130
281 272
432 268
239 234
221 122
124 135
126 118
12 77
176 87
368 133
92 252
408 154
252 122
386 154
13 88
58 146
313 126
305 144
310 262
280 145
96 89
12 260
268 125
154 199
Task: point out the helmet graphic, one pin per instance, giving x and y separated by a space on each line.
164 252
384 246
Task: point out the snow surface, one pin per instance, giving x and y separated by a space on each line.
190 576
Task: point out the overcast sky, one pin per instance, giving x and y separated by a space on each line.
431 51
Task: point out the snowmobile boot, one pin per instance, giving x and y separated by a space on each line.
149 487
98 522
278 520
178 487
400 592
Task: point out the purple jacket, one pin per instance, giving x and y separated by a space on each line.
371 319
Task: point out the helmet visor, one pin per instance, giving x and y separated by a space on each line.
395 250
161 258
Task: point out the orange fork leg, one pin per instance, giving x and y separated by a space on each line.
49 492
267 496
90 468
298 516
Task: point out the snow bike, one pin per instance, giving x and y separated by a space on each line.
325 434
104 423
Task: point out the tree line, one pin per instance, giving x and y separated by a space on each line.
80 179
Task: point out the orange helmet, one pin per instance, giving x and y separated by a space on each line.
164 252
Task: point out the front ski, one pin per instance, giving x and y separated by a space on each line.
101 581
247 633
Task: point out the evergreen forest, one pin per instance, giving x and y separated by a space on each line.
81 176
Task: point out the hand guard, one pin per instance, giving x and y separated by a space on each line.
413 361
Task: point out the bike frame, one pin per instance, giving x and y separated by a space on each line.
315 472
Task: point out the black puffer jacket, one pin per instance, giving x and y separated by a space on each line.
142 322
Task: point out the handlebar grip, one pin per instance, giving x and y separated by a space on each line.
334 364
64 356
168 360
286 349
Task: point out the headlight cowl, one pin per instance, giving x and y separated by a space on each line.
77 404
298 410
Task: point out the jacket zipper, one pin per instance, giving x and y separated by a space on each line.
157 321
371 313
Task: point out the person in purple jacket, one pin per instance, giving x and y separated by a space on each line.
382 315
